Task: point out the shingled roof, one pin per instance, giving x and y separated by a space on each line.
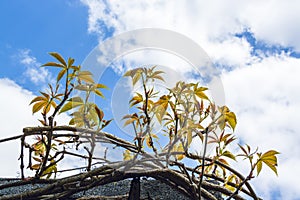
149 189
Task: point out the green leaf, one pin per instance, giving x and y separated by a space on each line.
59 58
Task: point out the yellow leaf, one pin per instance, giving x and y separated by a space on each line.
271 166
72 121
70 62
70 105
228 154
99 93
101 86
231 119
136 78
85 76
35 166
127 155
221 122
60 74
259 167
136 99
201 95
129 121
76 99
53 104
230 179
180 149
189 137
45 95
148 141
224 109
132 72
270 153
38 106
46 108
158 77
199 92
53 64
58 57
223 161
269 158
50 170
37 159
39 98
161 106
82 87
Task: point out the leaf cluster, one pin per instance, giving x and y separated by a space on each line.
85 113
190 122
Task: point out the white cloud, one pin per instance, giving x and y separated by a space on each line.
265 99
274 21
33 71
206 22
14 116
232 51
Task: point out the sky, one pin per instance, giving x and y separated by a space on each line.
254 47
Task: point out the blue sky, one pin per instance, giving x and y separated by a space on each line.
254 45
42 27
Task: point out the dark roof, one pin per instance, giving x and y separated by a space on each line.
150 189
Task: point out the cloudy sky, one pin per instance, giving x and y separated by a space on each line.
254 45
